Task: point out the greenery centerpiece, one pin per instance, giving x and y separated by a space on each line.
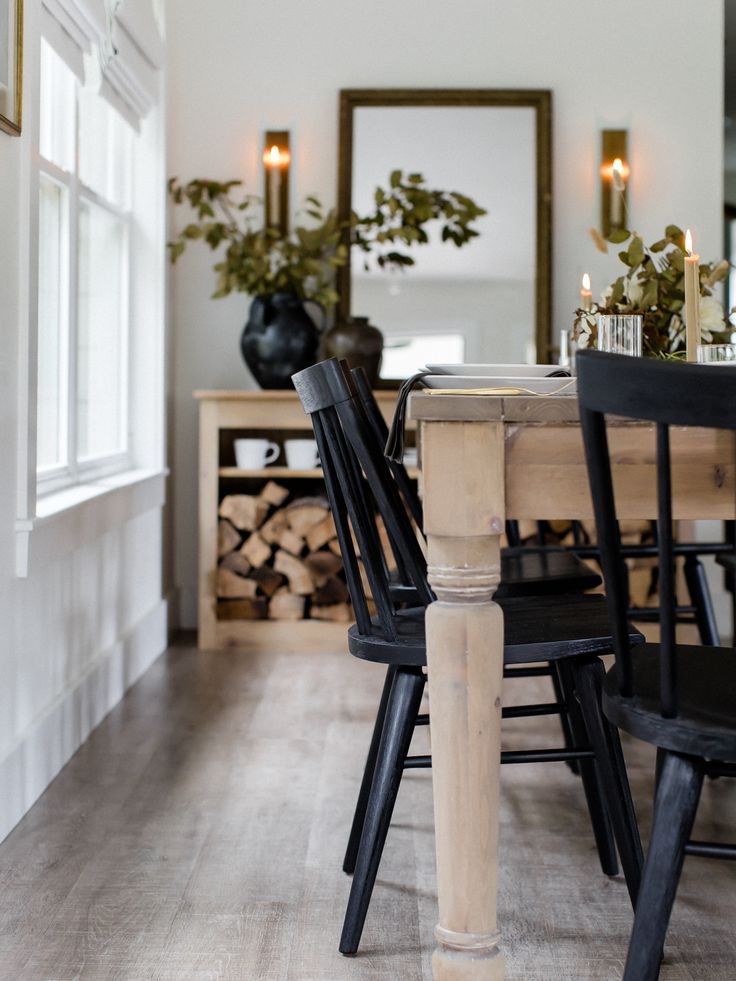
652 285
280 269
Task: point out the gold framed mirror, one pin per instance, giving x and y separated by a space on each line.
11 66
491 300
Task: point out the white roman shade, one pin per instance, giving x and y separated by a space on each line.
115 46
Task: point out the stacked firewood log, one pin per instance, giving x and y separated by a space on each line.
279 559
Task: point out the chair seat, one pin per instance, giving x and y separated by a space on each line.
544 572
706 723
535 629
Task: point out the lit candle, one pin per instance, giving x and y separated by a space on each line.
692 298
618 186
273 160
586 295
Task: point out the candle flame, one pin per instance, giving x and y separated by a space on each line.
586 281
275 157
688 242
617 174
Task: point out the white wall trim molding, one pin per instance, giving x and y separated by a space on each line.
81 514
38 754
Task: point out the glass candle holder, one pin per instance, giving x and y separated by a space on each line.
716 353
565 349
620 334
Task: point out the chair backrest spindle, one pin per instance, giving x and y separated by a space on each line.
609 539
667 586
380 429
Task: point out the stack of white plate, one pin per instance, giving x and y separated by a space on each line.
527 378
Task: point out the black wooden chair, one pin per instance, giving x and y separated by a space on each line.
525 571
571 631
680 698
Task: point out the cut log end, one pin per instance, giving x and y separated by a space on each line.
228 538
300 580
245 511
243 609
339 613
274 494
286 605
232 586
256 550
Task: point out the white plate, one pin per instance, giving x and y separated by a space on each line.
494 370
527 386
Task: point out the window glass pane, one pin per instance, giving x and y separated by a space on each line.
53 307
402 356
105 148
58 88
101 334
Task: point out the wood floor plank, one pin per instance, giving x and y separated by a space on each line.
198 836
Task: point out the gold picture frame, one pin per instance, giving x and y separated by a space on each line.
11 66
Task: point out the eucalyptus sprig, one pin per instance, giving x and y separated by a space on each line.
653 285
402 212
260 261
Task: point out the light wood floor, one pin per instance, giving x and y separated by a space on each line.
198 836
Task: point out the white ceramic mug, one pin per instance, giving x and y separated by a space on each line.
254 454
301 454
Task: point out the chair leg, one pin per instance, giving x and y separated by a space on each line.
606 744
701 599
401 710
590 777
674 812
356 830
661 757
567 738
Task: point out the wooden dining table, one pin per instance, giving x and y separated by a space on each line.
486 459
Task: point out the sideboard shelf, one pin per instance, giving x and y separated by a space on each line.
282 473
223 417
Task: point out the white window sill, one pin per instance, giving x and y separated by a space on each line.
70 518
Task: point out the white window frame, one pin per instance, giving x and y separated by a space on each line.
52 526
76 471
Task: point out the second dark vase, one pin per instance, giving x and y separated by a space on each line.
279 339
359 342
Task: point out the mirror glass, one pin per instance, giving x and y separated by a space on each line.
488 300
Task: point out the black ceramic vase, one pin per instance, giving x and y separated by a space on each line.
279 339
359 342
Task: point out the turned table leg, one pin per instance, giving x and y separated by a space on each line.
464 517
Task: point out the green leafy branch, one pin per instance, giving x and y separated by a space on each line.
260 261
402 212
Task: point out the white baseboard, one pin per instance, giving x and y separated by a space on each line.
43 749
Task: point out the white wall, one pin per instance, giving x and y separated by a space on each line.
90 617
654 68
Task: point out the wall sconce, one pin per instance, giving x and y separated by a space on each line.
276 161
614 180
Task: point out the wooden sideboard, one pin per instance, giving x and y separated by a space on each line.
223 417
